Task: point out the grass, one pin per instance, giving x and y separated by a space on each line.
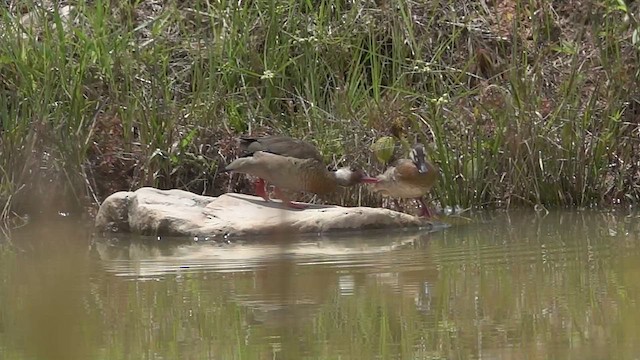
521 103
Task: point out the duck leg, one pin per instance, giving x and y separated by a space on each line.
424 208
261 189
286 201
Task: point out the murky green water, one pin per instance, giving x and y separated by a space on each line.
516 286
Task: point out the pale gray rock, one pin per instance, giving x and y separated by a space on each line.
149 211
113 215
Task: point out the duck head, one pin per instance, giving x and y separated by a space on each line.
349 176
419 158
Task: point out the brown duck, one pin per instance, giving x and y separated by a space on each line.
290 164
409 178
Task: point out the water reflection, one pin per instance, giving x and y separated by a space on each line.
503 286
131 257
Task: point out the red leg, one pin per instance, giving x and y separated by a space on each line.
261 189
424 208
287 202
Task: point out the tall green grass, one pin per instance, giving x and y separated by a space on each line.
535 108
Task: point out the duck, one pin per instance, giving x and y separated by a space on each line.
408 179
293 165
279 145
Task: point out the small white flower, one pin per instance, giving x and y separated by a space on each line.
268 74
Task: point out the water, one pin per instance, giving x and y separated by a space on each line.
502 286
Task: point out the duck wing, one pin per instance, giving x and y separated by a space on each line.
280 145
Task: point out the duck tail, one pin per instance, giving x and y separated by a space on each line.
239 164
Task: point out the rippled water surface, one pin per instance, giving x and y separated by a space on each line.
501 286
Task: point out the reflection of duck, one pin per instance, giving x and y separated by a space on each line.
290 164
409 178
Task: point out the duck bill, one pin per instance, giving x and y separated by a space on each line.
369 180
422 166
